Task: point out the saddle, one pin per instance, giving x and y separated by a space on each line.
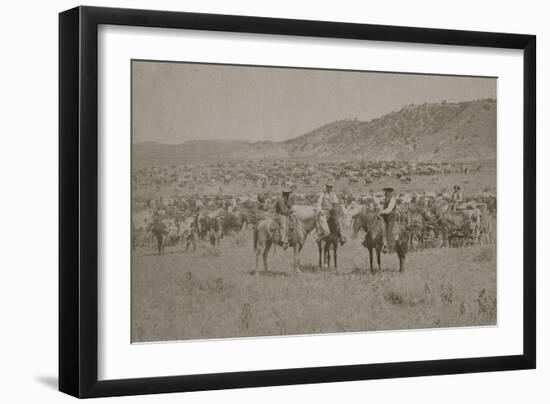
290 230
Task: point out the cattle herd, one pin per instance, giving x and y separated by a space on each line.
269 173
187 216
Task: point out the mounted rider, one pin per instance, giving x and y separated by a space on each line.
388 213
283 207
325 203
456 198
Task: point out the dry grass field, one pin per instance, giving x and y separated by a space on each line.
212 292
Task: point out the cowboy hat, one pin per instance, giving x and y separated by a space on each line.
287 190
387 189
329 183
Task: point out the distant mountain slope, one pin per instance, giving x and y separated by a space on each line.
463 131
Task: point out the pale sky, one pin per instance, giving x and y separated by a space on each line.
176 102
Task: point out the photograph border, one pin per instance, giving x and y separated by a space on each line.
78 200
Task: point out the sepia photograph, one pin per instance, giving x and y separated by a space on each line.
271 201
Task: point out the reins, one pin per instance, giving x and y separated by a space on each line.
369 228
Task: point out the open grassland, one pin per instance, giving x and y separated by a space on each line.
212 292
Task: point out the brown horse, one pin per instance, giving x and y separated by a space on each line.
303 225
373 225
265 235
335 222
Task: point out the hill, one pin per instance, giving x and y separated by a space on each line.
464 131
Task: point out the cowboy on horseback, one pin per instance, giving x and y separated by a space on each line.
388 213
325 203
283 207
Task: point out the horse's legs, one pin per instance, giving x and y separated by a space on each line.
327 254
294 257
298 252
259 250
336 256
320 253
370 259
266 252
378 260
159 243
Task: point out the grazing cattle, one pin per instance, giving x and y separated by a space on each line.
141 224
416 227
214 227
232 222
373 225
172 232
201 225
244 217
159 230
189 232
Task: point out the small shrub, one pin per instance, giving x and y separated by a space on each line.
447 294
407 292
487 303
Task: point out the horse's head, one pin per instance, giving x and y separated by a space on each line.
283 231
321 223
336 222
356 224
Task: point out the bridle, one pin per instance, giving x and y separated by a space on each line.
369 228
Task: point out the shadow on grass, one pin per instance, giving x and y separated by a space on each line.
314 269
169 252
367 271
271 274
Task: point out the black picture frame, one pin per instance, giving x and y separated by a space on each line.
78 201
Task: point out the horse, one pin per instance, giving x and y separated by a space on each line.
305 219
264 236
373 225
335 221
